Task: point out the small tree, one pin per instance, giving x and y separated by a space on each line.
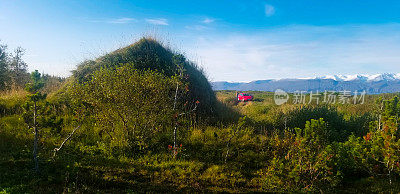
3 67
35 96
18 68
182 97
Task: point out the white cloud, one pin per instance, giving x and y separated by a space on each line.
121 20
299 51
269 10
158 21
197 27
207 21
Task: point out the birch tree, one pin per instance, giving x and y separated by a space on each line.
35 96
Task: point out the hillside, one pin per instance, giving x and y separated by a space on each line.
149 54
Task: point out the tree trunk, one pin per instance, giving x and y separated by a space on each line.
174 152
35 142
175 119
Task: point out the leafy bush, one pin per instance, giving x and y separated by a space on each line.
378 152
300 163
129 105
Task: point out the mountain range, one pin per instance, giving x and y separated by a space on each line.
372 84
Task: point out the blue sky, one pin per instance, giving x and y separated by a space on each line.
230 40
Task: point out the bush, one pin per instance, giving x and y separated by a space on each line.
130 106
300 163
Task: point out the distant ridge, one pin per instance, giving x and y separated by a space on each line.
372 84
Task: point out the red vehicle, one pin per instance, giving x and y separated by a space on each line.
244 97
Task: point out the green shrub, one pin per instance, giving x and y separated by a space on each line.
130 106
300 163
378 152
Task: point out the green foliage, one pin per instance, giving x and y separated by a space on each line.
223 177
302 162
378 152
148 54
236 158
12 105
48 119
129 105
18 68
3 67
35 86
338 127
13 70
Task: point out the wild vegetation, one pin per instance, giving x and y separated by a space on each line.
144 118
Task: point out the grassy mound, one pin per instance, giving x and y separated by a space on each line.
148 54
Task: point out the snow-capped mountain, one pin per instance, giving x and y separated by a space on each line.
373 84
362 77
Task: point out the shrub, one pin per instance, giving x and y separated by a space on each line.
300 163
129 105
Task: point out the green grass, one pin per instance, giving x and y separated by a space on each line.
87 164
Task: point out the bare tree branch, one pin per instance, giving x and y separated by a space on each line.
62 144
